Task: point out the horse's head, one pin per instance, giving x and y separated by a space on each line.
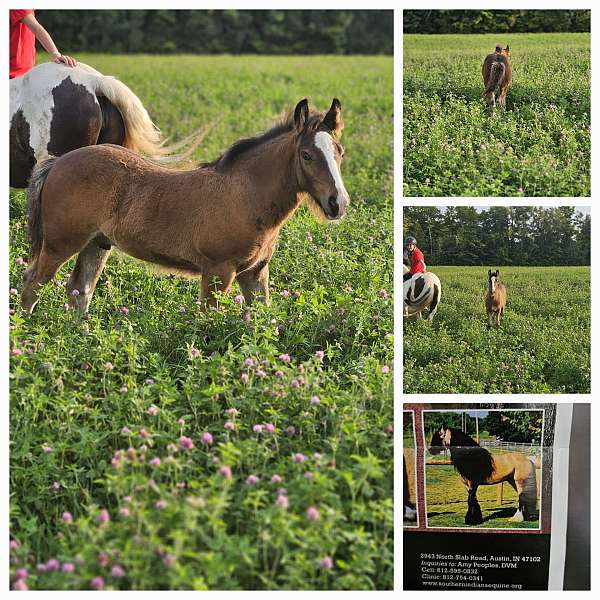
492 280
319 157
501 50
440 440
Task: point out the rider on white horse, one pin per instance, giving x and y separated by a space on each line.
422 289
416 258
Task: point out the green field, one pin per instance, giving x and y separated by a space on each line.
96 401
447 502
539 147
542 346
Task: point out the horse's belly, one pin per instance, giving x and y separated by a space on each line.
160 255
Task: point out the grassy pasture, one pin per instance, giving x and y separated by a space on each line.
542 346
101 407
446 499
539 147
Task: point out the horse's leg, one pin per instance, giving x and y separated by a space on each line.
490 318
216 278
255 283
85 275
473 516
502 99
491 101
40 272
526 485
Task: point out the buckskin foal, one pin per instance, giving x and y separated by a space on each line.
220 221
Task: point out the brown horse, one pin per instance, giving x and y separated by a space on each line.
476 466
220 221
495 298
497 73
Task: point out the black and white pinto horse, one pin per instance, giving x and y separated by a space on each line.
422 291
55 109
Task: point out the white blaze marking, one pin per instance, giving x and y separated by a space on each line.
32 93
324 143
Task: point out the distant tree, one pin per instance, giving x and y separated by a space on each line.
521 426
433 421
496 21
500 235
222 31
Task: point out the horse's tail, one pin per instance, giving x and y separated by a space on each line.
141 134
497 72
34 204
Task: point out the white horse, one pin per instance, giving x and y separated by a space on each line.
421 291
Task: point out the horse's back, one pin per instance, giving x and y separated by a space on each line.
104 163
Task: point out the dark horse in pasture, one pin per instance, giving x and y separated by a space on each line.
476 466
497 75
220 221
55 109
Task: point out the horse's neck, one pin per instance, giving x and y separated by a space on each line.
270 172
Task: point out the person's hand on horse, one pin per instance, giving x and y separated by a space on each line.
63 58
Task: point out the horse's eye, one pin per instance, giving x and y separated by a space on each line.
305 155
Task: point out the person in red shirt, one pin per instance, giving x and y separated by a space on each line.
417 260
24 30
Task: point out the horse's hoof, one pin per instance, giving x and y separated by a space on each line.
410 514
517 517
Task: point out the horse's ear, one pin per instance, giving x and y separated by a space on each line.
301 115
489 272
333 118
444 426
498 48
507 49
497 273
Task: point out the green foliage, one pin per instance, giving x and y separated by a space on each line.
208 531
496 21
515 426
222 31
500 235
542 346
433 421
539 146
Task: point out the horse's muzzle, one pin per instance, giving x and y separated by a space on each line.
335 207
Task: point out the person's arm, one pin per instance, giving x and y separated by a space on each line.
46 41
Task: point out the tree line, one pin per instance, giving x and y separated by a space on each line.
222 31
519 426
500 235
496 21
